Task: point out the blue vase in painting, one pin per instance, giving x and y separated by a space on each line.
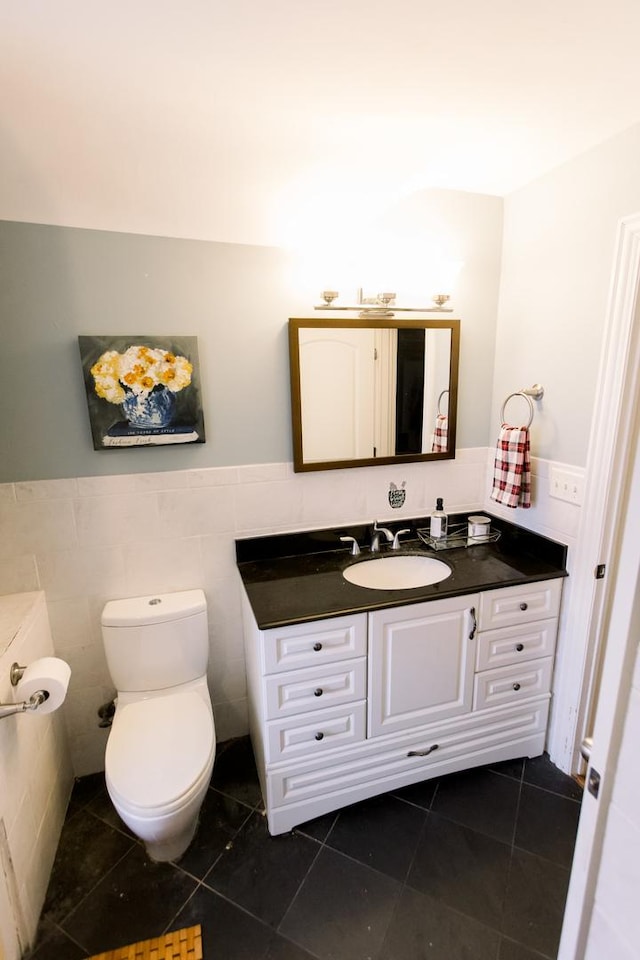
152 410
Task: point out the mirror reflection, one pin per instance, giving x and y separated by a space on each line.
372 391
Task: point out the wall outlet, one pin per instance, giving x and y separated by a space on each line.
566 485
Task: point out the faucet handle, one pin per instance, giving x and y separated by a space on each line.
355 549
396 540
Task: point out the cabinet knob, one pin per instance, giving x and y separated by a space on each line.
317 646
317 692
524 606
319 735
519 647
516 686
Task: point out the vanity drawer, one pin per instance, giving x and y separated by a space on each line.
513 605
309 644
528 641
508 684
315 688
406 759
314 733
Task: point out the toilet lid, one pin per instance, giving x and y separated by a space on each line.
158 748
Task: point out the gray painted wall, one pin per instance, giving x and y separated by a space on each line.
560 238
58 282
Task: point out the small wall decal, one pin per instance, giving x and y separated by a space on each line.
142 390
397 495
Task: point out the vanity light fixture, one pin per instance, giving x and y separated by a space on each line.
382 305
329 296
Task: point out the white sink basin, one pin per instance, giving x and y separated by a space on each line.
397 573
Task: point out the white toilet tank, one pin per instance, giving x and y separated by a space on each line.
156 642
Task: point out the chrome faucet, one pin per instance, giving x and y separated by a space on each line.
375 536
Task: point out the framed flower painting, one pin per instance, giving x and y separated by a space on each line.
142 391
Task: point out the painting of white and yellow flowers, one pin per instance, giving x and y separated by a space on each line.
142 390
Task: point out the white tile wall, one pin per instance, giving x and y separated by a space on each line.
87 540
36 778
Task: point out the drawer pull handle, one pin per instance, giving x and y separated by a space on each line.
519 647
422 753
319 736
474 623
524 606
317 692
317 646
516 686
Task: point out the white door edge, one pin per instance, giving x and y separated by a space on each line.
607 608
608 463
623 626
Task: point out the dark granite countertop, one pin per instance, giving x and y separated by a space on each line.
293 578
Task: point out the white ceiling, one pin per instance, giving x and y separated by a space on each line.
247 120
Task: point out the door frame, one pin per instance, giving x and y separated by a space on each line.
602 611
608 463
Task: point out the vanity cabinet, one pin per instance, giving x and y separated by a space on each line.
349 707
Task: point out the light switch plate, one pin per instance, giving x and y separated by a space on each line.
566 485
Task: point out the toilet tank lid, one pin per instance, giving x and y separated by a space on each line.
156 608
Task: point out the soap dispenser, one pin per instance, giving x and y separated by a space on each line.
438 521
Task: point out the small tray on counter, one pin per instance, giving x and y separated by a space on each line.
456 537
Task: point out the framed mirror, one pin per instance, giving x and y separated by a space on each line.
372 391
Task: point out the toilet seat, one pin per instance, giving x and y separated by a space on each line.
158 751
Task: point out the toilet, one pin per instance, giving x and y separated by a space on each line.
162 744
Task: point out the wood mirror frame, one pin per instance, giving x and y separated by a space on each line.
382 378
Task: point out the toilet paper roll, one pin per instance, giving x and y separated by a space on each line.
50 674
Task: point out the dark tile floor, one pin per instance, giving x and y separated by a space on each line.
473 866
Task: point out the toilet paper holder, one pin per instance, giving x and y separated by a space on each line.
35 700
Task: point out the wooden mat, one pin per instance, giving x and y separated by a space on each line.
185 944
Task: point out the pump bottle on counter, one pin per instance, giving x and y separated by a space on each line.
438 521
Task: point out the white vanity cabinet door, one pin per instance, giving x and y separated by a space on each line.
421 661
512 605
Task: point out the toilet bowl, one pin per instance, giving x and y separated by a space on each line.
161 748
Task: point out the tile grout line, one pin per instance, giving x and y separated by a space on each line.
511 849
134 844
231 840
58 929
321 847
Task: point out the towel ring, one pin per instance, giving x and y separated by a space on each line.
440 414
525 396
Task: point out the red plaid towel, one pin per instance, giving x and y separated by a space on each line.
512 469
440 441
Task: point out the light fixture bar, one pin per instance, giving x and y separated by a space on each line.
383 305
380 310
